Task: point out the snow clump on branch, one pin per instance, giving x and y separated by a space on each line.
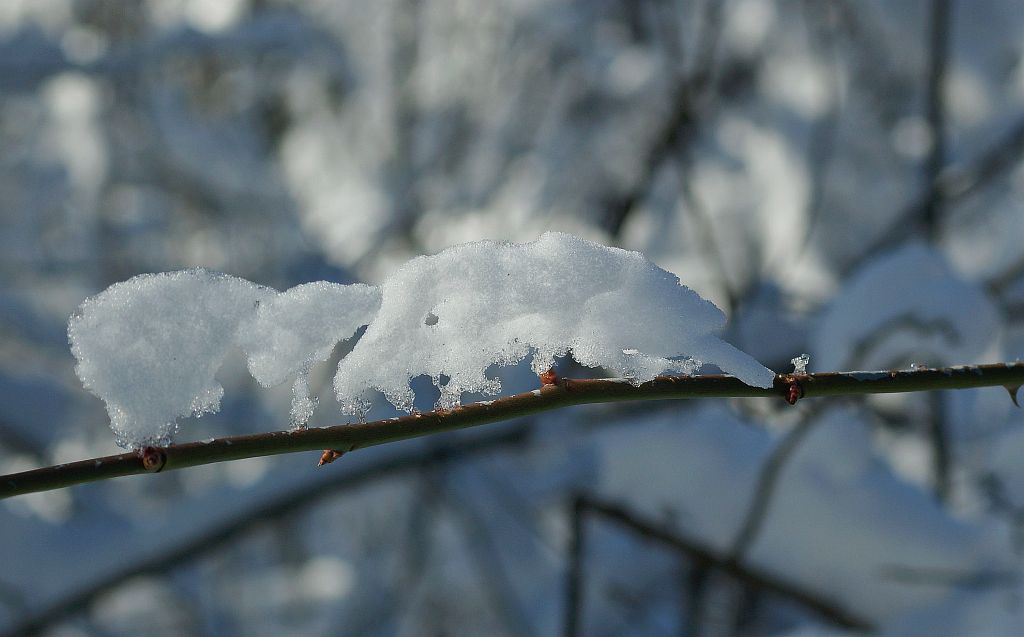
294 330
149 347
452 315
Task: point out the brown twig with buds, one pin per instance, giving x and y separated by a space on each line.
562 392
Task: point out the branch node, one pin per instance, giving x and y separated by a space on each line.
153 459
329 456
1012 389
549 377
794 392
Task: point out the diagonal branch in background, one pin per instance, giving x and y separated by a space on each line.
824 136
687 104
564 393
951 185
289 502
704 555
765 490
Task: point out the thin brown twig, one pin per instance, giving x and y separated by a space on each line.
565 393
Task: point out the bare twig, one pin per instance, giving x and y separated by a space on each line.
350 437
953 184
822 145
687 104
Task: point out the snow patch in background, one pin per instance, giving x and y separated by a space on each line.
839 521
907 306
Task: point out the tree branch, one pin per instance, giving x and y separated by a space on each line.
564 393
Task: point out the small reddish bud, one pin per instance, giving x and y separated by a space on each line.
153 459
794 393
549 377
329 456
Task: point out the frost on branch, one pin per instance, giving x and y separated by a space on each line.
800 364
150 346
292 331
452 315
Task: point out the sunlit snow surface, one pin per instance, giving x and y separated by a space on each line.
456 313
291 331
150 346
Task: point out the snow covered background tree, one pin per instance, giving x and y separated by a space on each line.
842 178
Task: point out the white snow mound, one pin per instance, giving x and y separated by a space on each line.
293 330
149 347
456 313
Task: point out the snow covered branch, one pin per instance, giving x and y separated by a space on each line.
150 347
563 393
